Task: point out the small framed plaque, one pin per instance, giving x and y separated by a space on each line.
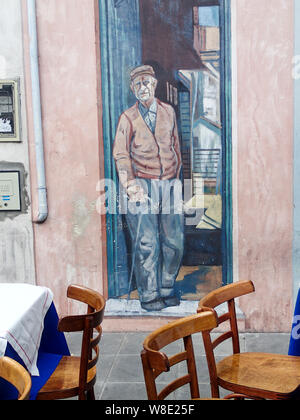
9 111
10 191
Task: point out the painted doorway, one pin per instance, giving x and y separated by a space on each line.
187 43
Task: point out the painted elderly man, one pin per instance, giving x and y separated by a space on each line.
148 160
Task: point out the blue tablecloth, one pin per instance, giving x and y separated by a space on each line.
53 346
294 349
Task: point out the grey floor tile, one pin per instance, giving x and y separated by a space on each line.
184 393
98 389
123 391
202 370
126 368
104 366
133 343
267 343
111 343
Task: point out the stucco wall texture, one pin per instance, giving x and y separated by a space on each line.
70 246
16 232
265 42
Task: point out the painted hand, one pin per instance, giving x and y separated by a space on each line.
136 194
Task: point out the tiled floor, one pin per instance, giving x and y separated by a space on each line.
120 373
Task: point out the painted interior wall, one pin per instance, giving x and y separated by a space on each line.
16 232
265 159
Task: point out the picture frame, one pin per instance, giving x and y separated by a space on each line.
10 130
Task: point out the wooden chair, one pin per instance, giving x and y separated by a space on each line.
17 375
254 375
76 376
156 362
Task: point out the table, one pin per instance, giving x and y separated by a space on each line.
28 333
294 349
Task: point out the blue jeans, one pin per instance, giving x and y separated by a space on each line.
160 242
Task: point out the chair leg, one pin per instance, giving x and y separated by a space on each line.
215 392
82 396
90 395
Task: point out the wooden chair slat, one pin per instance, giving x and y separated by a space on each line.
223 318
173 386
178 358
223 337
94 361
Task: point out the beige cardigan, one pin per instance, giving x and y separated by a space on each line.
140 153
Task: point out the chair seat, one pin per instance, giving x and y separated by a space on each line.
270 374
64 382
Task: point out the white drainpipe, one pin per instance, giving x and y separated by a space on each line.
37 114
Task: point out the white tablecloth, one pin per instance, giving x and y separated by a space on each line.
22 311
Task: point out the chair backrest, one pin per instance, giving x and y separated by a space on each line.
219 296
156 362
17 375
89 324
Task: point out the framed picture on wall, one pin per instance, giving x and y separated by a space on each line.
9 111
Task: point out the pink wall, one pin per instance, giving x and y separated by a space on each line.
265 34
68 246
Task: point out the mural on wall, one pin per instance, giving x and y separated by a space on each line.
161 87
148 159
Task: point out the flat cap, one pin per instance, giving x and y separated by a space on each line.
141 70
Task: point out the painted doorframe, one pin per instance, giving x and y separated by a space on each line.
226 118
